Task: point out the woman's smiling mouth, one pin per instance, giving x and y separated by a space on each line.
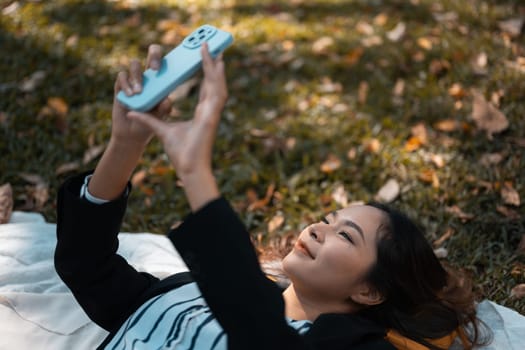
303 248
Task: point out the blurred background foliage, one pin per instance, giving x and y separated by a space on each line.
414 102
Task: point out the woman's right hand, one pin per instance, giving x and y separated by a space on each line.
189 144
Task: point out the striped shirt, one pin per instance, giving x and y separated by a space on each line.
179 319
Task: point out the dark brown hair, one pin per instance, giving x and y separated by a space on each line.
423 298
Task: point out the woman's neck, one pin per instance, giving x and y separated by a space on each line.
300 307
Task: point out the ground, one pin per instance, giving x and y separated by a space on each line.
329 100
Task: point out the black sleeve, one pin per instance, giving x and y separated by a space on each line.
216 247
103 283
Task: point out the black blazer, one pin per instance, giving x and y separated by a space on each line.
216 246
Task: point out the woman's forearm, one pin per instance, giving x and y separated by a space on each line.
114 169
200 188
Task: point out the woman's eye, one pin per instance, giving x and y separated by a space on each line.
346 236
324 220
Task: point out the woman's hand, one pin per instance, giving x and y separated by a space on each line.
124 130
189 144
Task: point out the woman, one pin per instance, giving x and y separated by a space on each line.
362 278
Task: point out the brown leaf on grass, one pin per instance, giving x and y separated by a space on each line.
362 93
518 291
92 153
509 194
429 176
38 194
457 91
441 253
372 145
381 19
479 63
160 170
331 164
437 160
419 137
354 56
340 196
446 235
439 67
397 32
66 168
388 192
459 213
6 203
275 222
424 43
138 178
322 45
486 116
447 125
513 26
30 83
508 212
261 203
58 105
490 159
147 190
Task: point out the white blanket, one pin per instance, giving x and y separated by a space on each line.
37 311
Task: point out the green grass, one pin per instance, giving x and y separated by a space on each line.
279 96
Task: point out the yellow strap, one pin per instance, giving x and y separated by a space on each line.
404 343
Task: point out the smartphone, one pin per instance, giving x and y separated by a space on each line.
176 67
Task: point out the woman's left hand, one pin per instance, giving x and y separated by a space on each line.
125 130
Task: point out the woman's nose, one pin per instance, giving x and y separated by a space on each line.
317 234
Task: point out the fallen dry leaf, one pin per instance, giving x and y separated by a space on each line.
429 176
354 56
58 105
340 196
372 145
30 83
399 88
381 19
364 28
138 178
441 253
275 222
447 125
261 203
439 67
362 93
6 203
388 192
92 153
457 91
509 194
508 212
459 213
512 26
518 291
331 164
413 144
490 159
486 116
322 45
446 235
397 33
66 168
38 194
425 43
479 64
437 159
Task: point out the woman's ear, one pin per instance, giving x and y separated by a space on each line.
367 295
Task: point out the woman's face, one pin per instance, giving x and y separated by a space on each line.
330 258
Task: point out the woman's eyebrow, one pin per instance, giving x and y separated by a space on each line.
351 224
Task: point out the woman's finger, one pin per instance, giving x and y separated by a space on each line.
154 57
135 70
207 61
122 83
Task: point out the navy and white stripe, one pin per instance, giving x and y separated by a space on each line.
179 319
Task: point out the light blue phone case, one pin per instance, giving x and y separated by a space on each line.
176 67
